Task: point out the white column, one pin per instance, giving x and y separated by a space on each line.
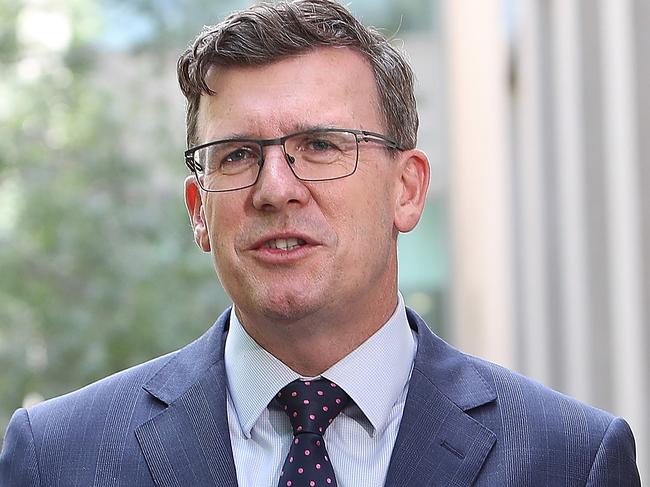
480 178
624 220
571 194
536 356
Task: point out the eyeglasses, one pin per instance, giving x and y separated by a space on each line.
312 155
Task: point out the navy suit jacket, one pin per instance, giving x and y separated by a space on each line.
466 422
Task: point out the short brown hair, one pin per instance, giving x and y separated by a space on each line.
266 32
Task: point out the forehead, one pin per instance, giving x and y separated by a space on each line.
323 87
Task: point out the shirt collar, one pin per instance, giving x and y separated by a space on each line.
374 374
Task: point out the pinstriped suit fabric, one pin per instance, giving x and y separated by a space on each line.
514 424
556 437
613 450
158 459
465 422
436 445
207 429
577 432
116 429
84 437
19 465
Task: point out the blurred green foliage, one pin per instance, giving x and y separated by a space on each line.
94 244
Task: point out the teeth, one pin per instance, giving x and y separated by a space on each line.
285 243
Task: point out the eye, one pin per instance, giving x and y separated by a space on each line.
240 154
231 157
319 145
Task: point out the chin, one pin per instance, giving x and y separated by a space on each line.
288 307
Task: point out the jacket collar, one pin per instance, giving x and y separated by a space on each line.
438 442
190 363
188 442
448 369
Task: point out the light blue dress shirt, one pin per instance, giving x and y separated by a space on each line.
360 440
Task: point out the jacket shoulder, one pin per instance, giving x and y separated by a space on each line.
125 385
131 388
515 389
79 437
557 438
88 436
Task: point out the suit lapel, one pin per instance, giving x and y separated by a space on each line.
438 442
188 443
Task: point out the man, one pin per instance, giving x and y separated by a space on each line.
302 133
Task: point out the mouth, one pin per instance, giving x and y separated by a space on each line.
284 243
284 248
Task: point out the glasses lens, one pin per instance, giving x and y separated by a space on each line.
228 165
321 155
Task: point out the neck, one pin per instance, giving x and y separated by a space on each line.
312 344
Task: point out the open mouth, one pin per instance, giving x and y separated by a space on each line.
284 243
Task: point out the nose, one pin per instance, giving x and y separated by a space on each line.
277 187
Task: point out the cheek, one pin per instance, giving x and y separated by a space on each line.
366 222
223 226
374 201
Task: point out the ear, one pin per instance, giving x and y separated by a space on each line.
194 205
412 185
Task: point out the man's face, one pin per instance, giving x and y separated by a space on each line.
348 259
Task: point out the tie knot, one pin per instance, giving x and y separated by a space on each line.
312 405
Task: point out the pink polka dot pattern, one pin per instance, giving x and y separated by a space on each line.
311 407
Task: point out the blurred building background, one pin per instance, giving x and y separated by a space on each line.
549 122
534 249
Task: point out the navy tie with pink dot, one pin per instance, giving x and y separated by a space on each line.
311 407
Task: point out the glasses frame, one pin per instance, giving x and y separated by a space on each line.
359 135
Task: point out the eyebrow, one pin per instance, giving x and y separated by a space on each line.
300 127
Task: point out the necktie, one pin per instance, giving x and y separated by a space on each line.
311 407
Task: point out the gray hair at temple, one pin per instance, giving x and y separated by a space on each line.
265 33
